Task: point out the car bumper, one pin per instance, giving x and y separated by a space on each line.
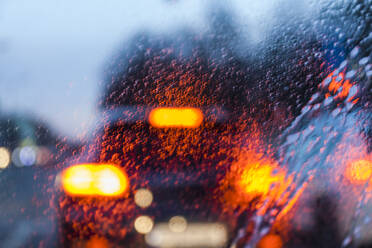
123 224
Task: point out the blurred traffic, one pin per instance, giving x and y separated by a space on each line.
249 126
29 151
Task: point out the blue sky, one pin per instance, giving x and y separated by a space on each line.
52 51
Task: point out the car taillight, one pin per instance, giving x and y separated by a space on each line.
176 117
94 180
359 171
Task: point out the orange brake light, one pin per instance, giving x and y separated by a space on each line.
94 180
359 171
257 180
176 117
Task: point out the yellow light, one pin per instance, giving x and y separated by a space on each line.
258 179
143 198
4 157
359 171
143 224
78 180
176 117
94 179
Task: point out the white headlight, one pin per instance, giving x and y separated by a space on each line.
4 157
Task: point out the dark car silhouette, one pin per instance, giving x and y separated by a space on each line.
163 145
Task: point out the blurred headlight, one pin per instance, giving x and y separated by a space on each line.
4 157
176 117
143 198
143 224
94 180
27 155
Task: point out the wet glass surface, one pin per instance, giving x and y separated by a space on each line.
186 124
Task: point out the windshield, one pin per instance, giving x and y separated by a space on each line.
150 123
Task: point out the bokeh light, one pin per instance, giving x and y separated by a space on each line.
43 156
270 241
359 171
78 180
143 198
15 157
108 182
258 179
195 235
177 224
27 155
176 117
97 242
258 183
94 179
143 224
4 157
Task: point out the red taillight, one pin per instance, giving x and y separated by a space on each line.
94 180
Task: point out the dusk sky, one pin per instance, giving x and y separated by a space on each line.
52 52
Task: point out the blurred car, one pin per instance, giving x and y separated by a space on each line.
142 199
173 111
25 142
